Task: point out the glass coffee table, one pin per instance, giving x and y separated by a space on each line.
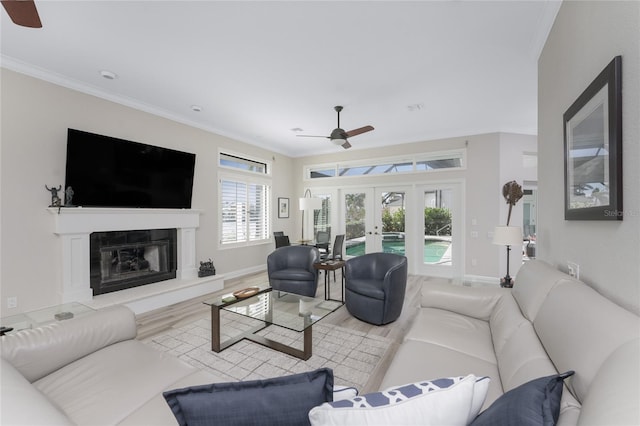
271 307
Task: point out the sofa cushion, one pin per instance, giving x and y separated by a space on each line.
615 392
536 402
23 404
108 385
454 331
279 401
416 359
451 401
579 329
38 352
156 412
533 282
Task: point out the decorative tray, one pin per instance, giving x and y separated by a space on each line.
246 292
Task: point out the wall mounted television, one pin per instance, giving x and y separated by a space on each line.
108 172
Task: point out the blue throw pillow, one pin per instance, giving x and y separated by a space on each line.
534 403
279 401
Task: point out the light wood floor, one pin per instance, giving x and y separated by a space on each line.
159 320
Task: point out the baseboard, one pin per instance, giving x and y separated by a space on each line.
244 272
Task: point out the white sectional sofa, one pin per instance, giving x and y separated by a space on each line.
548 323
89 371
92 371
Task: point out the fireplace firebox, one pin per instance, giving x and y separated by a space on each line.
125 259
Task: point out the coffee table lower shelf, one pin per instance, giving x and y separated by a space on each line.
218 346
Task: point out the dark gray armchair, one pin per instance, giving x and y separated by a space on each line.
290 269
375 285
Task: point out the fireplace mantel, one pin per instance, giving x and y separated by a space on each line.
75 224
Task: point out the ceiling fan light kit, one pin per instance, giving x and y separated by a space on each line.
339 136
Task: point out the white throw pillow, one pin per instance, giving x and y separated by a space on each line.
446 401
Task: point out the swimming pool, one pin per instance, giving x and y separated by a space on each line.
432 253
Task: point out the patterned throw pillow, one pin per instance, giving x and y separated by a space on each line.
451 400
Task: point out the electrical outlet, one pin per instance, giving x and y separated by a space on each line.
12 302
574 270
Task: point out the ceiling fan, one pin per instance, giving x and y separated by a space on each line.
23 13
339 136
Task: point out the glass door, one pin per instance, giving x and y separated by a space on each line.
360 229
441 248
375 220
392 213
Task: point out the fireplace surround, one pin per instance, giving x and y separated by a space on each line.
75 225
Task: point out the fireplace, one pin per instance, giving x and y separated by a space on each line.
75 225
126 259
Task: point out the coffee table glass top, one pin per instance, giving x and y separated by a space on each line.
287 310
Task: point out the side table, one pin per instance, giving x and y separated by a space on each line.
331 265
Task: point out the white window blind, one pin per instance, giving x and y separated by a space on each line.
245 211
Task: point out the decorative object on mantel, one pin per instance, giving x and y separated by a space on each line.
68 197
509 235
206 269
55 198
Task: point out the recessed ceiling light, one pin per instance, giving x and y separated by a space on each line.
196 108
109 75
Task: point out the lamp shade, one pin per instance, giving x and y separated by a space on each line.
507 235
311 203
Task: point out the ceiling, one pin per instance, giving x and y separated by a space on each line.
416 71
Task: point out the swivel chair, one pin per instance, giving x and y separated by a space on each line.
290 269
375 285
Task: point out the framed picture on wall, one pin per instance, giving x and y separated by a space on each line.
593 149
283 208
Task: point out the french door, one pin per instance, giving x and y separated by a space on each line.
375 220
440 248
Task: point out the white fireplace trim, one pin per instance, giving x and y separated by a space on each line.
74 226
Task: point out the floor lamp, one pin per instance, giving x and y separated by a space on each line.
308 203
507 236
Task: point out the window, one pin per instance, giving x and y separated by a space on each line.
420 163
245 211
244 200
241 163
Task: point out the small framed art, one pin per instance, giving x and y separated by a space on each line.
283 207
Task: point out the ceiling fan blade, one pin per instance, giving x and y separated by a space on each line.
23 13
359 131
346 144
312 136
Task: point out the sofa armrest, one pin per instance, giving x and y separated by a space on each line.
37 352
475 302
23 403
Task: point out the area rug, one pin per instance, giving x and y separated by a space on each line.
352 355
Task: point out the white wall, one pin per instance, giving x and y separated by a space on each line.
35 118
585 37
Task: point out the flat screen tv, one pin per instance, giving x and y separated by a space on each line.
110 172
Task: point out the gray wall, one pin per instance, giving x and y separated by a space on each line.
585 37
35 118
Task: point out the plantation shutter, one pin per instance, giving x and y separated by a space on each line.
234 211
245 211
258 212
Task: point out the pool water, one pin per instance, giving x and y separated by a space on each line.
433 249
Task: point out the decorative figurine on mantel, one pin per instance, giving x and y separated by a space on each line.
206 269
68 197
55 198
